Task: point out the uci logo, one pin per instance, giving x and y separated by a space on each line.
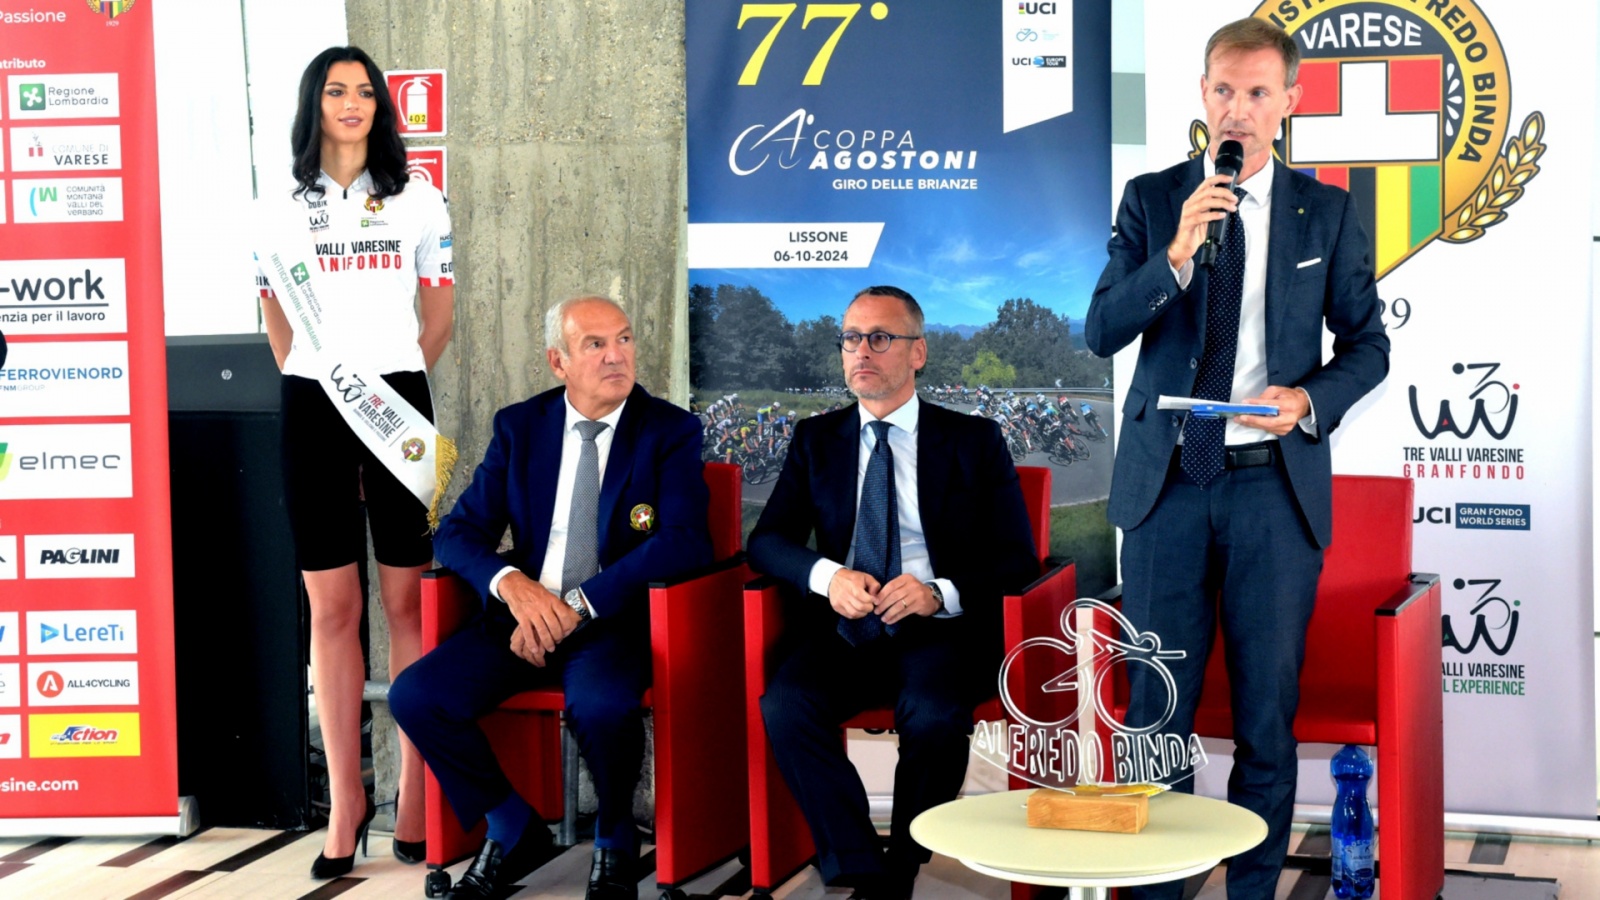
1025 9
1492 402
1433 515
1491 614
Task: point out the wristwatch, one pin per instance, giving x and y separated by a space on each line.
938 595
574 599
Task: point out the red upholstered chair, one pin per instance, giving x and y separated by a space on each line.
1371 675
780 843
699 723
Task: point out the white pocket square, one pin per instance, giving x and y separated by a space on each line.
1309 262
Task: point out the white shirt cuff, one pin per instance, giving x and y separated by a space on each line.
1183 275
494 583
1308 423
952 599
822 572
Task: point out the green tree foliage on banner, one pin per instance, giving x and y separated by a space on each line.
990 370
742 341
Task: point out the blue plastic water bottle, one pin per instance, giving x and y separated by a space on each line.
1352 824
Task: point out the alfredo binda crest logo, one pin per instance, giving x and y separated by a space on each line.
1407 106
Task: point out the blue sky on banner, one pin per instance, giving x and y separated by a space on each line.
1036 226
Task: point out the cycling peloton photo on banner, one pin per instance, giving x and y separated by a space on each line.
958 150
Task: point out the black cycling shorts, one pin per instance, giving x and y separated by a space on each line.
326 473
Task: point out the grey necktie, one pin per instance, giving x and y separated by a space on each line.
583 521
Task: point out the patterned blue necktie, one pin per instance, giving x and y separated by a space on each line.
877 542
1203 439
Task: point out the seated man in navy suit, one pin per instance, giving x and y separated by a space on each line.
601 486
920 530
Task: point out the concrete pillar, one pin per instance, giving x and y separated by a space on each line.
566 145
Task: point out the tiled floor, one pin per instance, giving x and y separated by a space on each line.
241 864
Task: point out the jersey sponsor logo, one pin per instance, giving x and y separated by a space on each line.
347 256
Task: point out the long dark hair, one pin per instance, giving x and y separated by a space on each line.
386 153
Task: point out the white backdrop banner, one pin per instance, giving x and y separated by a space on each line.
1465 131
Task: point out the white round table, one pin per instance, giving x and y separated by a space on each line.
1186 835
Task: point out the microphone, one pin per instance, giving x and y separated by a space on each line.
1230 159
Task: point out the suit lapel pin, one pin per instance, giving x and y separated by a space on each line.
642 518
1301 210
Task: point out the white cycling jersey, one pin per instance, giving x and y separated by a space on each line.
381 249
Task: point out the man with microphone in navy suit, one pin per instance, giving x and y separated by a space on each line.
602 489
1243 506
920 530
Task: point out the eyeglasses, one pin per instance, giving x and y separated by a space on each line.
879 341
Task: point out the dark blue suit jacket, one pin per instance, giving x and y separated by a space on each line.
973 516
1319 271
654 460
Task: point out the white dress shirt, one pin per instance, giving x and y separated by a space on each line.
1250 360
913 541
555 552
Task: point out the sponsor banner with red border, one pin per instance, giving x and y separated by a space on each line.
86 639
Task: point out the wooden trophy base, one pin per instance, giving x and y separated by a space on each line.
1120 813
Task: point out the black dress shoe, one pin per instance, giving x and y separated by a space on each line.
612 876
495 869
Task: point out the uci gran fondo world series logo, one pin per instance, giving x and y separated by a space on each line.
1407 106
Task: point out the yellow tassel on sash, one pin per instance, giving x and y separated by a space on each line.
444 463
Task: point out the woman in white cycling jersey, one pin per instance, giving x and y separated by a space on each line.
380 261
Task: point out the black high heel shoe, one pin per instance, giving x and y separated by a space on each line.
408 852
325 867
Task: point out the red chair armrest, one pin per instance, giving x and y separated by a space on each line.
696 624
1411 739
448 602
1036 612
763 628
